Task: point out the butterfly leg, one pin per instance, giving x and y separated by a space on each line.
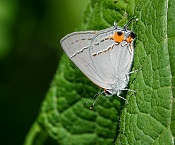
128 90
134 71
118 94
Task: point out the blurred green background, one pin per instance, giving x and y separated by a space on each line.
30 31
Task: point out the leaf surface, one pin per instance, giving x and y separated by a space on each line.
149 116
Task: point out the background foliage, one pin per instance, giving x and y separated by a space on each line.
29 54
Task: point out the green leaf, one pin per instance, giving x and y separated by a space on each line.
149 116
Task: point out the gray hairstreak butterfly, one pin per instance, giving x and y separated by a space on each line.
104 56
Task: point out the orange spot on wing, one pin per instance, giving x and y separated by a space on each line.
118 37
129 39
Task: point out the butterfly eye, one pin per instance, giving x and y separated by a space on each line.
108 93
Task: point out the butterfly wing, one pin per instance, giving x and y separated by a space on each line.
112 61
77 45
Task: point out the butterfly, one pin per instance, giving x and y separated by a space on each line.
105 56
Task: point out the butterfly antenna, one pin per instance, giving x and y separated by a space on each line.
91 98
129 22
97 96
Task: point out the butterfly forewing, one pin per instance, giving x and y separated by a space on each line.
77 45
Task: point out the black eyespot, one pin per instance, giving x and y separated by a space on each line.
119 33
133 35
